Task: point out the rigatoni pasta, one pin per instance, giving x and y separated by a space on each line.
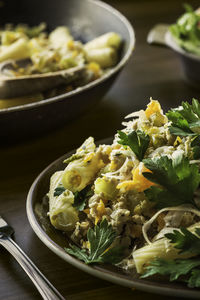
161 248
57 50
103 50
62 214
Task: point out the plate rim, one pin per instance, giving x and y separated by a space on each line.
140 284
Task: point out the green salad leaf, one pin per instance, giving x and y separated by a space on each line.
177 180
186 31
186 242
101 251
188 7
137 140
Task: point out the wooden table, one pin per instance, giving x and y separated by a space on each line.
152 71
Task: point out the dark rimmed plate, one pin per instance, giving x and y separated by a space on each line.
56 241
86 19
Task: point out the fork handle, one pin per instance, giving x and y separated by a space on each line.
45 288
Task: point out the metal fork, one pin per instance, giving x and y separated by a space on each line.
45 288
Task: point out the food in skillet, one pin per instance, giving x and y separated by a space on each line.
57 50
135 202
186 31
37 52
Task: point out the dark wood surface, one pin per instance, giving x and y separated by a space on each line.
152 71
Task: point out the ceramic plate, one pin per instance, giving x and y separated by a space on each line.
37 207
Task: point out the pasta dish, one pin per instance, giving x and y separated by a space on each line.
135 203
27 51
57 50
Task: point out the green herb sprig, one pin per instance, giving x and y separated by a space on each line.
177 181
187 269
58 191
185 118
137 140
100 239
80 198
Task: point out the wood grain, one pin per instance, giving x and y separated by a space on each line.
152 71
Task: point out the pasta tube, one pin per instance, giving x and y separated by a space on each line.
59 37
17 50
105 186
110 39
63 215
159 249
105 57
87 146
79 173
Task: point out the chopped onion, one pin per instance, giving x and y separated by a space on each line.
147 225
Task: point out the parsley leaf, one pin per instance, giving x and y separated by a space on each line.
195 144
173 268
185 118
177 180
58 191
79 253
137 140
80 198
100 239
185 240
194 280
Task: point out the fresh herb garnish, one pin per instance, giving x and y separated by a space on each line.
174 269
186 242
100 239
137 140
177 180
195 144
58 191
80 198
185 118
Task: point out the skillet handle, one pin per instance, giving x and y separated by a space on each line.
157 35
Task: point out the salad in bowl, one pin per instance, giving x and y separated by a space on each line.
186 31
184 38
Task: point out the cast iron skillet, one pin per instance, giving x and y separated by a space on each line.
86 19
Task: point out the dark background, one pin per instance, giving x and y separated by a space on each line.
151 72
